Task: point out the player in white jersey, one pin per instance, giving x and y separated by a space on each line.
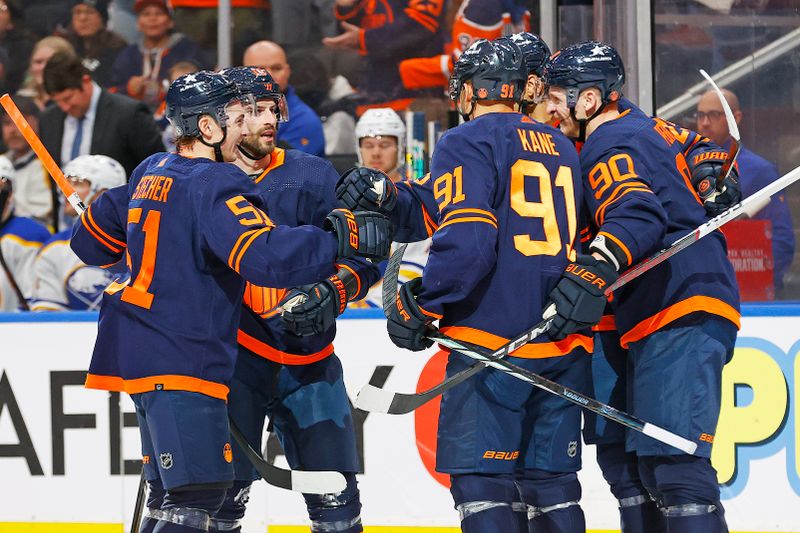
20 239
62 282
380 144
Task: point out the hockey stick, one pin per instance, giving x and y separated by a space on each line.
379 400
733 129
140 499
307 482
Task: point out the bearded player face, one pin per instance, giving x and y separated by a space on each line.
260 141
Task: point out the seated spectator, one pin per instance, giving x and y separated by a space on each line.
755 173
94 44
303 131
386 33
328 98
33 188
89 120
18 42
141 69
62 282
42 52
381 139
20 240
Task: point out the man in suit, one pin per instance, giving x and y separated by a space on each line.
89 120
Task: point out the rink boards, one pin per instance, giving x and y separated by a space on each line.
68 456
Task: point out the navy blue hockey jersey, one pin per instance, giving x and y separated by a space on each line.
193 232
639 194
295 189
508 191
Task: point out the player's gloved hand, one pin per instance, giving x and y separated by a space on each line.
706 167
366 189
406 323
312 309
362 233
579 295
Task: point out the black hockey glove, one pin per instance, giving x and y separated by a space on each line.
312 309
363 233
407 324
579 295
706 166
366 189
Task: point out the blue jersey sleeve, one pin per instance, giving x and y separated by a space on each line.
243 236
618 189
415 214
463 251
99 237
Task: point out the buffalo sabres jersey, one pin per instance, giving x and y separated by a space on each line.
295 189
192 232
639 196
507 190
62 282
20 240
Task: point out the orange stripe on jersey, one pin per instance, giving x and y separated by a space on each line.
262 299
268 352
238 243
621 191
87 224
429 313
426 21
277 159
152 383
456 212
620 244
541 350
685 307
468 219
355 275
607 323
246 245
103 233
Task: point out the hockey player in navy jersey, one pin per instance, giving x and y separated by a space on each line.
679 320
286 368
190 227
507 192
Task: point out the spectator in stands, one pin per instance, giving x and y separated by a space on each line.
94 44
328 98
141 69
18 42
304 129
386 33
42 52
381 137
46 17
755 173
293 20
33 193
89 120
197 19
20 240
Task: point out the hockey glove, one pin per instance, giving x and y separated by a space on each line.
706 167
579 295
407 324
366 189
363 233
312 309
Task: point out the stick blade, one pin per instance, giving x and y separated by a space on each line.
390 275
373 399
317 482
733 128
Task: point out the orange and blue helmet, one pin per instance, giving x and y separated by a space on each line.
585 65
194 95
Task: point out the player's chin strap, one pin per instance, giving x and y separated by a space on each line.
217 146
583 122
247 154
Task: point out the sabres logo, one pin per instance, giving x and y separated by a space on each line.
482 92
227 452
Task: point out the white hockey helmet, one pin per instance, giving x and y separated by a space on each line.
7 169
101 171
380 122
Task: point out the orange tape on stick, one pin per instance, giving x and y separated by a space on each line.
44 156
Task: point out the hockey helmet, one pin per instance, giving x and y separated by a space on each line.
496 69
534 51
258 83
583 66
381 122
196 94
101 171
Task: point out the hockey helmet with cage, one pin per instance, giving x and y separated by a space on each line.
535 51
381 122
196 94
585 65
496 69
101 171
258 83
